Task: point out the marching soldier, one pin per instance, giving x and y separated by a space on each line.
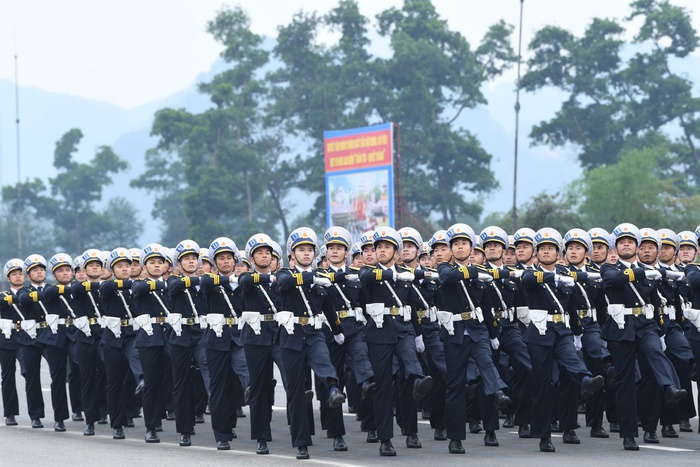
88 311
465 334
261 301
117 337
634 327
10 325
502 294
427 290
150 303
391 331
55 340
303 345
591 306
225 357
554 334
30 299
678 349
345 292
187 302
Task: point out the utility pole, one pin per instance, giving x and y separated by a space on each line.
517 115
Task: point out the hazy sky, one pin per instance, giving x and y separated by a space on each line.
130 52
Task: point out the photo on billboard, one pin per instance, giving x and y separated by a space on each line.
360 200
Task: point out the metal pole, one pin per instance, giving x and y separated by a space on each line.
19 173
517 115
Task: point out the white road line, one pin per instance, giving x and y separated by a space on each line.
552 435
188 448
665 448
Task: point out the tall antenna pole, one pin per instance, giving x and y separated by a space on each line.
19 173
517 115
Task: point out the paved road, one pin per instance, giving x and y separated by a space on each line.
46 447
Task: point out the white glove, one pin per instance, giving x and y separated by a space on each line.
594 276
420 345
517 273
406 276
495 344
339 338
566 281
352 277
577 343
273 278
605 343
232 279
483 277
652 274
663 343
428 274
675 275
322 281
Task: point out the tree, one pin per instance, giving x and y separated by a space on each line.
431 77
634 190
224 166
614 102
64 215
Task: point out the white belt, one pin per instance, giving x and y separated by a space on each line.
670 310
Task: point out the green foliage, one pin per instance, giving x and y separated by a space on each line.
221 172
63 216
613 101
431 76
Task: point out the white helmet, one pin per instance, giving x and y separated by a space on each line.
409 234
548 235
599 235
461 231
91 255
668 237
60 259
650 235
626 230
524 234
153 250
687 238
339 236
494 234
33 261
387 234
578 236
258 240
302 236
438 238
116 255
15 264
222 245
186 247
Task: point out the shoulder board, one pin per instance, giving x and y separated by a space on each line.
431 269
353 269
480 266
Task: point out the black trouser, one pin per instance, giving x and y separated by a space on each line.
456 358
57 359
381 358
314 354
8 364
435 355
31 360
119 380
624 354
73 370
153 362
183 401
332 419
92 384
221 406
679 352
570 366
259 359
